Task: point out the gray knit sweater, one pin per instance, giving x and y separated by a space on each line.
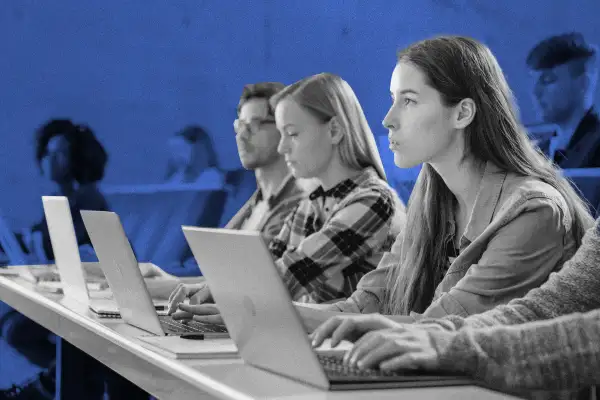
547 349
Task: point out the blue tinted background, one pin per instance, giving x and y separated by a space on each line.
137 71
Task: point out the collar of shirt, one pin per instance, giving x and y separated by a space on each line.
274 197
342 189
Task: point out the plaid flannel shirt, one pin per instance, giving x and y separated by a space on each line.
335 237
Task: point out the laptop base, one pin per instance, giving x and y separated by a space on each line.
425 381
342 377
174 327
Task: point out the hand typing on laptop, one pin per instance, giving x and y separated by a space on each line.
379 342
206 313
200 305
400 348
350 327
197 293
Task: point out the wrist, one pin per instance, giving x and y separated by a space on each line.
454 353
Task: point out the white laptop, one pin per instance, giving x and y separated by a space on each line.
10 244
17 259
66 254
264 324
120 267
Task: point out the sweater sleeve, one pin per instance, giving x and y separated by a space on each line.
558 354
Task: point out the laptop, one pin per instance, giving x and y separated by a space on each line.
73 282
120 267
10 245
15 256
18 261
262 321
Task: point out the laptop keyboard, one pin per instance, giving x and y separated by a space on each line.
175 327
335 368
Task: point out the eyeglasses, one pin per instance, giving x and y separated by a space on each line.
253 126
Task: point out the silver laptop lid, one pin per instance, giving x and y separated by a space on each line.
255 304
65 248
10 244
121 269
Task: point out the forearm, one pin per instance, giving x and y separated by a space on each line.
361 302
314 306
313 315
402 319
557 354
511 314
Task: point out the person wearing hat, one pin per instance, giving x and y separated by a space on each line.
565 73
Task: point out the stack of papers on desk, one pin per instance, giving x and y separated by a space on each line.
178 348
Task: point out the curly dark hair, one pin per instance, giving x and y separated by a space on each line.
87 155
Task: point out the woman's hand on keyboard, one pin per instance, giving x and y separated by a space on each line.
196 293
395 349
208 313
349 327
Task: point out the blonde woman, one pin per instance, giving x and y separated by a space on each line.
341 230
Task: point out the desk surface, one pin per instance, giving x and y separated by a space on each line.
115 344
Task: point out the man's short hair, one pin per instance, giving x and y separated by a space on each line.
558 50
262 90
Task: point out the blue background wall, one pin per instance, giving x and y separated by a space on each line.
137 71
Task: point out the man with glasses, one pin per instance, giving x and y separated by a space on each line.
278 192
257 139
